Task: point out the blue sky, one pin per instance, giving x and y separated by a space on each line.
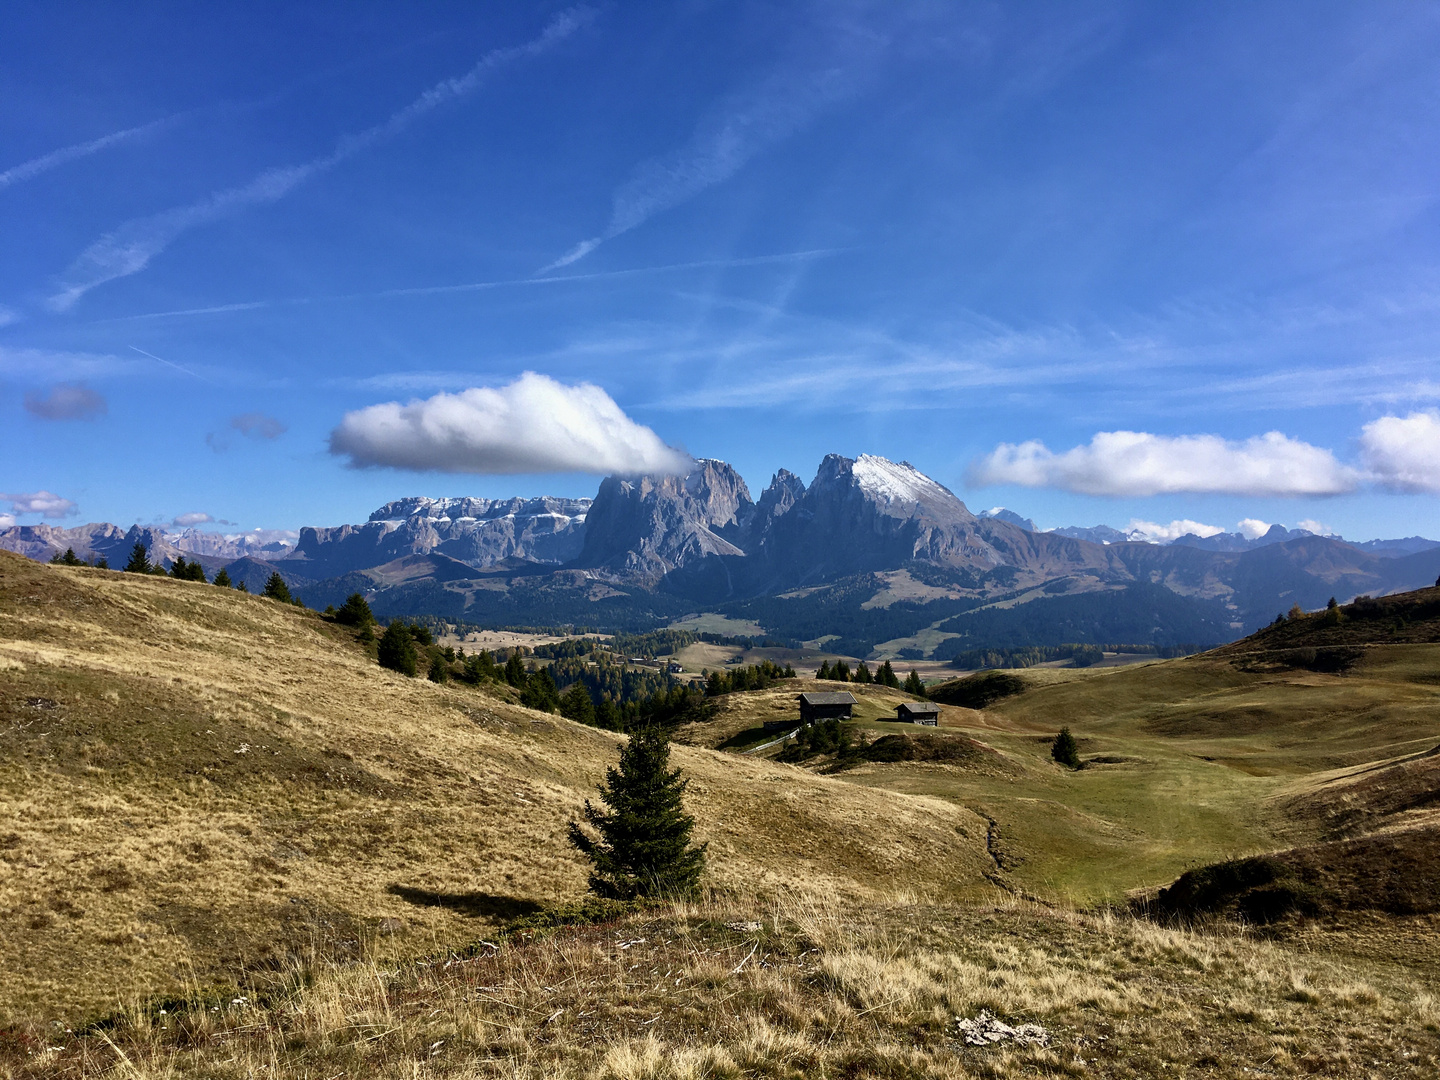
980 237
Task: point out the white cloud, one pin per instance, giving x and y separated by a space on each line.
66 401
1139 463
1403 452
7 521
254 425
1155 533
1319 528
532 425
129 248
1253 528
195 517
44 503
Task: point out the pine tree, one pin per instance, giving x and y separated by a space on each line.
840 672
139 560
576 704
240 586
222 578
886 676
644 844
540 692
102 563
515 669
276 589
355 611
397 649
67 559
862 673
824 672
914 685
439 671
1064 749
186 571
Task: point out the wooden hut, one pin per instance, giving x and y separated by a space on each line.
926 713
826 706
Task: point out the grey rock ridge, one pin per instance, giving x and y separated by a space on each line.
477 532
647 526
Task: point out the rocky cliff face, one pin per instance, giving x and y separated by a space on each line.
650 525
870 513
477 532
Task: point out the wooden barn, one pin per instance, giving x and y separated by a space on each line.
826 706
918 712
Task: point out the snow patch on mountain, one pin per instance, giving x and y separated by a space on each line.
896 481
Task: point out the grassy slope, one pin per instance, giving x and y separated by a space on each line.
1202 759
194 779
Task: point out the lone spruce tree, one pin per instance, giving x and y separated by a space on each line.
139 560
397 649
644 845
1065 750
276 589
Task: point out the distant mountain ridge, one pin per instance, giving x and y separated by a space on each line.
874 547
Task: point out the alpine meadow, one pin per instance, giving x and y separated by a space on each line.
757 539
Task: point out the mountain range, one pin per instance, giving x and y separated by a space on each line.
872 553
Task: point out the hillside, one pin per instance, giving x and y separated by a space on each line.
195 781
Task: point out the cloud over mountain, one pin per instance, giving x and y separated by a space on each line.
1404 452
532 425
44 503
66 401
1139 463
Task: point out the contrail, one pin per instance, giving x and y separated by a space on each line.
45 162
177 367
480 286
129 248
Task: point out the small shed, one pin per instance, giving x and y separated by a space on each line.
826 706
918 712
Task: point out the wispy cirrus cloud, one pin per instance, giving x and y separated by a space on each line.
129 248
532 425
1131 463
55 158
743 125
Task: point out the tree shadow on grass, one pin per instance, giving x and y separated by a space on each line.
752 737
475 905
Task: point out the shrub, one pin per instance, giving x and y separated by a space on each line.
1065 750
397 649
276 589
643 848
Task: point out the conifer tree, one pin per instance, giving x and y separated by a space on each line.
575 704
240 586
222 578
439 671
67 559
139 560
914 685
276 589
397 649
824 671
515 669
886 676
540 692
102 563
643 848
862 673
355 611
1064 749
840 672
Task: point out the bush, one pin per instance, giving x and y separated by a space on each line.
397 649
643 848
1065 750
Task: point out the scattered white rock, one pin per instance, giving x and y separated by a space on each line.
986 1029
743 927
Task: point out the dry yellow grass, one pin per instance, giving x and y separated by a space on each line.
194 781
808 985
